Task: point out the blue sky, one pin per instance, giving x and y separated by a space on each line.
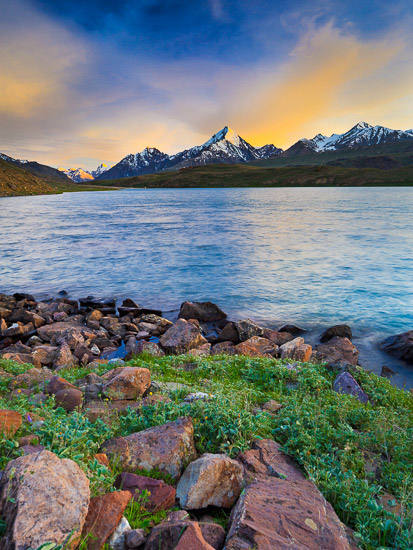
85 82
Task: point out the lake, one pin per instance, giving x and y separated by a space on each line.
311 256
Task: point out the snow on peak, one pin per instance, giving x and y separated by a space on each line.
362 126
227 134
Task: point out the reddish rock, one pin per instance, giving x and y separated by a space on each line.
70 399
263 345
245 349
201 311
126 382
31 378
168 448
95 315
149 347
10 422
213 533
49 332
266 458
273 513
31 439
19 392
64 357
45 355
212 480
104 514
56 384
337 350
271 406
181 337
50 501
296 349
203 350
102 459
161 495
180 535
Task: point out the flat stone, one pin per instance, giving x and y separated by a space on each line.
10 422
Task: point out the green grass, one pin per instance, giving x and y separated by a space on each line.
330 435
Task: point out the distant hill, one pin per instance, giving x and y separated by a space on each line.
16 181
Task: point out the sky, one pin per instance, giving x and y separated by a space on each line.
90 81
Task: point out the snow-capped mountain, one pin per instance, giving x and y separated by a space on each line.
100 170
226 146
77 174
362 134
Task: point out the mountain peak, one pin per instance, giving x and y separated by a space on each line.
226 133
361 126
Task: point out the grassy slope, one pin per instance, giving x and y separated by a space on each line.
15 181
332 436
243 175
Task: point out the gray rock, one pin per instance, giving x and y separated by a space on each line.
117 541
247 329
344 331
345 383
135 539
400 345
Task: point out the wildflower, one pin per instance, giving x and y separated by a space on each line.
150 393
29 418
206 418
19 391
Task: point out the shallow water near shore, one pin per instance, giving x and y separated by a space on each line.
311 256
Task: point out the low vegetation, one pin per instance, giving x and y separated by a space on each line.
359 455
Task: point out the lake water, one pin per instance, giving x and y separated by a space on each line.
310 256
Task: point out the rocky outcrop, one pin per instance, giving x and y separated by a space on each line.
202 311
400 345
50 501
296 349
182 337
279 508
168 448
212 480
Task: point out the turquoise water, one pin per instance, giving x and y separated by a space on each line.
309 256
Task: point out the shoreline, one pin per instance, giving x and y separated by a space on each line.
62 331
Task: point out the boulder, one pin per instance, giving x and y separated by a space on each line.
64 357
10 422
168 448
250 351
45 354
50 501
202 351
56 330
161 495
228 333
212 480
246 329
271 406
344 331
142 346
263 345
126 382
345 383
276 337
56 384
296 349
104 514
400 345
292 329
70 399
274 513
181 337
337 350
224 347
31 378
117 539
213 533
202 311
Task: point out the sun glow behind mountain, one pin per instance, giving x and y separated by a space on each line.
95 83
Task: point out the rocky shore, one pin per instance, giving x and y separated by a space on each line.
122 429
60 332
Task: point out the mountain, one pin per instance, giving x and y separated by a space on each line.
361 135
77 174
224 147
36 168
99 170
16 181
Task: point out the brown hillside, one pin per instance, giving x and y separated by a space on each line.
15 181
